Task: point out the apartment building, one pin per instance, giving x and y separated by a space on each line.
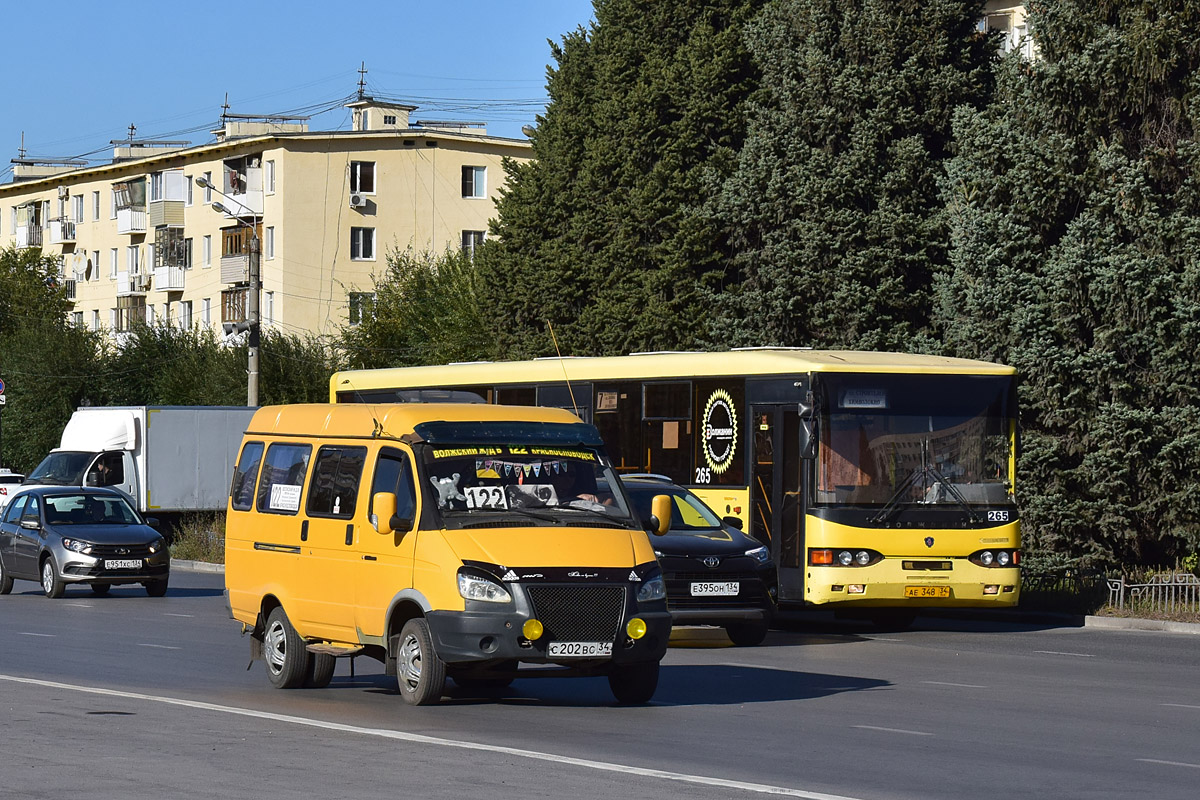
141 239
1011 18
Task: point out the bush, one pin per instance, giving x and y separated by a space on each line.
200 537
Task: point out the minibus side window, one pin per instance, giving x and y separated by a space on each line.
393 474
282 479
242 491
333 488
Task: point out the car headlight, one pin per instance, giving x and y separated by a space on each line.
157 544
760 554
77 545
473 587
651 590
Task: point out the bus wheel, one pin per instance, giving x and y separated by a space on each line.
893 620
634 684
746 634
420 673
283 649
320 671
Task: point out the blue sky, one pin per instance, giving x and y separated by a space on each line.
80 71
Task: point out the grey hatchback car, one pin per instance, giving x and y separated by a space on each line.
56 535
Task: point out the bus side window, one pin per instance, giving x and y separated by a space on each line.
393 474
282 479
244 476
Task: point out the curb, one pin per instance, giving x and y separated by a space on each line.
1130 624
197 566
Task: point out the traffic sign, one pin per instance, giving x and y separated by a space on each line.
3 400
1 386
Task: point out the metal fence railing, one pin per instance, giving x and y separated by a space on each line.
1166 592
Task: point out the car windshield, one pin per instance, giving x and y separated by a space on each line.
689 514
88 509
526 481
64 468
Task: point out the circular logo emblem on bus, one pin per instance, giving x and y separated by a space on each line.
720 431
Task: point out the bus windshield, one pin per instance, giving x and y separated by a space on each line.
554 483
889 439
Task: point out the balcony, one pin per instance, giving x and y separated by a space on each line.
62 231
69 285
132 285
131 220
29 236
168 279
233 305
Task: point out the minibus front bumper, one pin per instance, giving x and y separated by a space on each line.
474 635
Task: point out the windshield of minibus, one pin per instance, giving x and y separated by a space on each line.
909 439
63 468
552 483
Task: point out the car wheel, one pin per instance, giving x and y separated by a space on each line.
420 672
283 649
320 670
6 581
634 684
100 588
52 584
156 588
746 634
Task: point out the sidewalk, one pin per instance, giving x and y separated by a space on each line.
1035 617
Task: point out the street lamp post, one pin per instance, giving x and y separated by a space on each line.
252 323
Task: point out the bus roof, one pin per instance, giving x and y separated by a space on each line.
751 362
321 420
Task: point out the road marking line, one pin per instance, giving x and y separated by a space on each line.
43 635
1058 653
159 646
1168 763
891 730
882 639
189 616
1178 705
959 685
417 738
79 605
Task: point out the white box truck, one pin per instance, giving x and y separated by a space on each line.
169 459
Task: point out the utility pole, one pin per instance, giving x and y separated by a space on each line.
252 317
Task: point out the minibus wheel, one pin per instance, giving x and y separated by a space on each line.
320 671
283 650
634 684
420 673
746 634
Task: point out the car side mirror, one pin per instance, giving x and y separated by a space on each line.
660 514
30 524
733 522
152 522
384 517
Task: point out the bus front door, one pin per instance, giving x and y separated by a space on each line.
777 517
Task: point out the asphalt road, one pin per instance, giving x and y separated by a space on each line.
129 696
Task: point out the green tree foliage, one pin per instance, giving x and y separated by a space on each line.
602 234
834 211
427 309
1076 258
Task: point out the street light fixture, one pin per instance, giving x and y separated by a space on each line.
252 322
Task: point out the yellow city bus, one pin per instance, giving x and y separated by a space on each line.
882 482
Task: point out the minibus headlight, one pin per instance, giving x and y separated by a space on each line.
760 554
473 587
652 589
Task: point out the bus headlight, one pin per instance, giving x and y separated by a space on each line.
986 558
1002 558
652 589
862 558
845 558
473 587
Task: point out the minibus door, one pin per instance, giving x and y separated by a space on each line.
386 562
776 493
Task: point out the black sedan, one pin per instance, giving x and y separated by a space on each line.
715 574
58 535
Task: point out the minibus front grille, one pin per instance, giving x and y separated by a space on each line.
578 613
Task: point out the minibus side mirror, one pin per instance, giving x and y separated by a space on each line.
384 517
660 514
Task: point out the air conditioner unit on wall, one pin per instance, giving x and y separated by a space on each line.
357 201
63 193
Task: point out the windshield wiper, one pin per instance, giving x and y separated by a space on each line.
892 504
618 521
954 492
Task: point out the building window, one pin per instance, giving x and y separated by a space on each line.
187 180
185 314
206 252
471 240
389 119
187 253
112 212
270 182
362 177
474 181
208 189
360 306
206 311
77 319
112 264
270 244
95 206
156 186
131 259
94 267
150 317
362 244
95 319
269 310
